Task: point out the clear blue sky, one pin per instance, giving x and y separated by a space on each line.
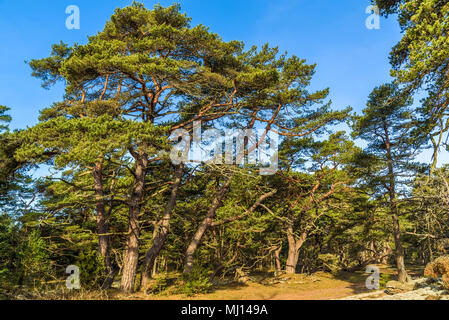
351 59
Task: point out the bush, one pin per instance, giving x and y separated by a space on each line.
196 282
158 285
384 279
439 268
9 255
34 260
330 263
92 270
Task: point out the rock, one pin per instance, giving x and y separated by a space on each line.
421 283
393 291
420 294
396 285
418 289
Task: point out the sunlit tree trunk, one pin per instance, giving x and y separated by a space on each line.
161 236
294 245
204 225
400 261
102 219
131 256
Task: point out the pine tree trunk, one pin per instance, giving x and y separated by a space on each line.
429 244
292 257
205 224
102 219
292 261
160 238
400 263
293 249
277 254
131 256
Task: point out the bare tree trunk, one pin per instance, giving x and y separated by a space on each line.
160 238
102 219
400 263
292 257
205 224
131 255
386 253
293 249
372 249
277 254
429 244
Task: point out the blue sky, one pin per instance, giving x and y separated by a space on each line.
351 59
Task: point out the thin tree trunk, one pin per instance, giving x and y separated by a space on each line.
372 248
277 254
208 222
386 253
160 238
429 244
131 255
400 261
205 224
102 219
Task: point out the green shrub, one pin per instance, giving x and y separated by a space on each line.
384 279
92 270
330 263
34 260
158 285
197 282
9 255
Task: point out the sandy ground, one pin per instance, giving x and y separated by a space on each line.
299 287
319 286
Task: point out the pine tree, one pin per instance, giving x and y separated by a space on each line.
386 125
146 74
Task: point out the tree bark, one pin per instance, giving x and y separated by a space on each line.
387 252
293 249
400 263
160 238
131 256
277 255
102 219
205 224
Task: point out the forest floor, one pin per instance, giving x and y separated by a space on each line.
319 286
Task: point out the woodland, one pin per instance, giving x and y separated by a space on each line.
348 191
